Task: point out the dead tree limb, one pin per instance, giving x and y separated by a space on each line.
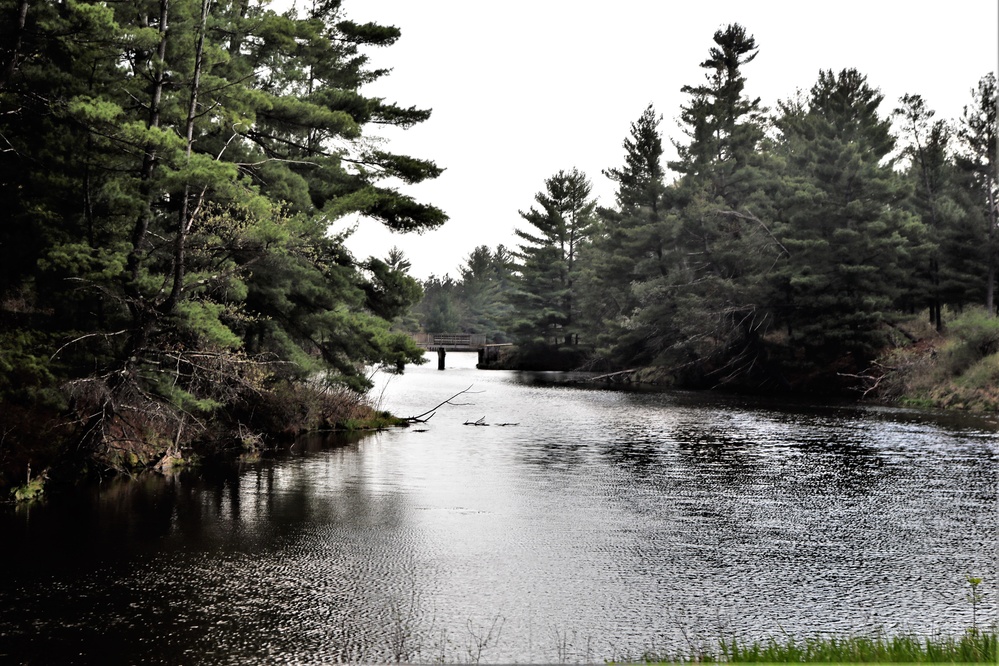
871 378
419 417
614 376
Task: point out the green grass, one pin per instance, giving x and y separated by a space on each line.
971 647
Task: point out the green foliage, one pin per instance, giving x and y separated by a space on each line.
628 242
848 243
437 310
978 159
978 332
486 281
477 303
28 374
544 293
168 194
790 245
31 490
971 647
688 262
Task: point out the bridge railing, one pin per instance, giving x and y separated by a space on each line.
470 340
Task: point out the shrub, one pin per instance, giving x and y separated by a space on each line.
978 333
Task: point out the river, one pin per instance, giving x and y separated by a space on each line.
580 524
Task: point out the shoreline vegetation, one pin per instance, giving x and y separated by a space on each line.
924 369
42 455
957 369
170 287
974 646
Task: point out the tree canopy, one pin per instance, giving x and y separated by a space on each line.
781 248
170 171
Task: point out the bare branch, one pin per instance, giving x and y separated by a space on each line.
419 417
84 337
752 218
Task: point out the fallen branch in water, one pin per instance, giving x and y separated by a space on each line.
871 378
419 417
482 422
614 376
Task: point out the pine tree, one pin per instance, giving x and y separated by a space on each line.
977 158
629 241
847 237
706 311
723 125
439 310
544 297
486 281
171 172
939 279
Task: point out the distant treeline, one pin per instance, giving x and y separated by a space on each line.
782 244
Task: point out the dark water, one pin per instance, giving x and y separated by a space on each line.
598 525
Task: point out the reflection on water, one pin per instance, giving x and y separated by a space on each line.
602 524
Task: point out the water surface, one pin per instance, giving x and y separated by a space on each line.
595 524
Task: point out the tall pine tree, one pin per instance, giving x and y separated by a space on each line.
544 293
707 313
629 241
848 238
978 160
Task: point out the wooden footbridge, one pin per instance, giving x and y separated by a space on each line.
451 341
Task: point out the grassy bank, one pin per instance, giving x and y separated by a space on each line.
977 647
958 369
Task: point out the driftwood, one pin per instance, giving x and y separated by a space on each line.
419 418
482 422
614 376
871 378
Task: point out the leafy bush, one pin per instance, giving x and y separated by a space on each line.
978 333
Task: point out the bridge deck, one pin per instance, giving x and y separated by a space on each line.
451 341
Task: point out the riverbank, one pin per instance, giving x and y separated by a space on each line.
604 519
956 370
972 647
41 447
920 367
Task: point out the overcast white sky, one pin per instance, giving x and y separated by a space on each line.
523 88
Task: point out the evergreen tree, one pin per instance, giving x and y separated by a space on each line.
439 310
977 159
940 278
707 312
723 125
846 234
476 303
544 294
171 171
486 281
628 241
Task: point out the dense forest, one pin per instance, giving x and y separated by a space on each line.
168 173
784 248
169 283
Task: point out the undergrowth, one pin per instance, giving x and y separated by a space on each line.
959 370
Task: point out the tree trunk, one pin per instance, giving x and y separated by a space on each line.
990 281
186 216
15 50
141 227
